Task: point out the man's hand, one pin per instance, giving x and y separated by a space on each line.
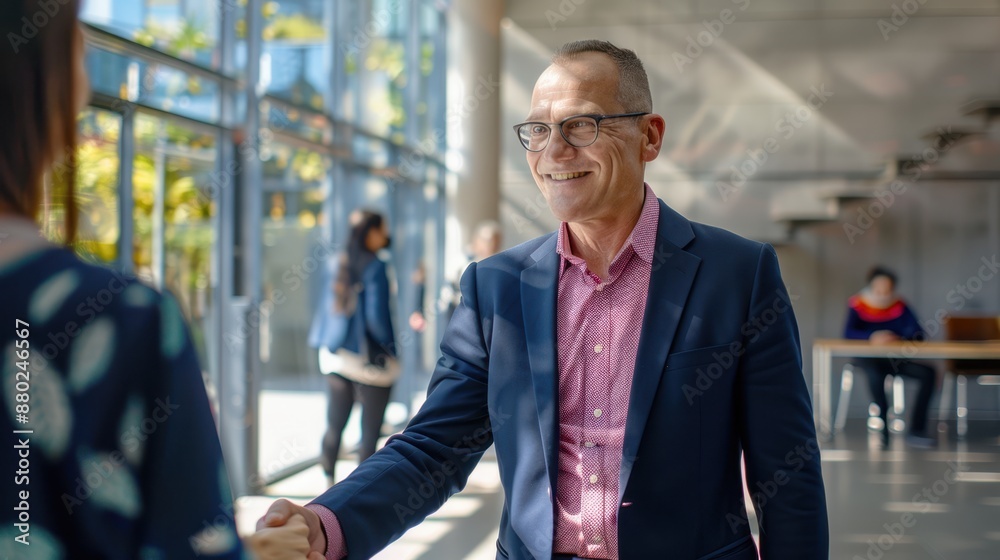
288 542
883 337
283 512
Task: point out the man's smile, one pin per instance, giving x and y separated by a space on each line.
567 176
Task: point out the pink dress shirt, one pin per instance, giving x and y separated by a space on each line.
598 326
597 329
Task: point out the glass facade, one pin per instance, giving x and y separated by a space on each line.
229 194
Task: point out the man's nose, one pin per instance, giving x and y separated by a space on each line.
558 147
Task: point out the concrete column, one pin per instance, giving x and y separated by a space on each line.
473 118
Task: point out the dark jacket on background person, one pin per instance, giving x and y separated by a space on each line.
335 330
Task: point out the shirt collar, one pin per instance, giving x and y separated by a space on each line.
642 240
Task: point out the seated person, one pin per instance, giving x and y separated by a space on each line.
878 315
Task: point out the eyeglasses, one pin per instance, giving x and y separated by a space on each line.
579 131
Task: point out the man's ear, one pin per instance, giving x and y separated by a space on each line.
652 129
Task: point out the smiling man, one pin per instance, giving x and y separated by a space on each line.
622 365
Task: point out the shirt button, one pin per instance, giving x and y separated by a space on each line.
599 287
598 348
597 538
588 444
597 413
593 479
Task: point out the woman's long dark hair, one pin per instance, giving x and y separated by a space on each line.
354 260
38 91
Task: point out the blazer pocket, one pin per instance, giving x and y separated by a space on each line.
699 357
501 551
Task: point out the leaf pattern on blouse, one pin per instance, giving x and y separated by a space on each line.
51 295
91 354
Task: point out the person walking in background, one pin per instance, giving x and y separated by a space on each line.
117 454
877 314
486 242
417 319
352 329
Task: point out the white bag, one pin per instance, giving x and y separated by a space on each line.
355 367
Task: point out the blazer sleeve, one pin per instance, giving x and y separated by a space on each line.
780 448
417 470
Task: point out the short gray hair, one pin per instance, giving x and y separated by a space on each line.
633 84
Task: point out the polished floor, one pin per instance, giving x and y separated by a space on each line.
914 504
896 504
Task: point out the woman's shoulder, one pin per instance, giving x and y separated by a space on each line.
376 267
57 286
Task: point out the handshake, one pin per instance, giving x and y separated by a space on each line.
287 532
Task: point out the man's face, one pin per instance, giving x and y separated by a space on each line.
600 181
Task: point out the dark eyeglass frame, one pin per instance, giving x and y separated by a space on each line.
597 128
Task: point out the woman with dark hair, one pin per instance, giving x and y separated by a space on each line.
354 316
114 452
880 316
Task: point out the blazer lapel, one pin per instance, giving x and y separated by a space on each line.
538 306
670 282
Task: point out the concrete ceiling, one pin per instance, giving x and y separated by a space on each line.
892 81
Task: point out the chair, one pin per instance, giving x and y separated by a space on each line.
895 412
969 328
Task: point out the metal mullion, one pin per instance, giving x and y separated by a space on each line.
413 82
105 40
159 208
115 104
250 246
299 142
126 203
439 74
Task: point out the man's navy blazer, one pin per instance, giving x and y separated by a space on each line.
718 374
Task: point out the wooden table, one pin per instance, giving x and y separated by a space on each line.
825 349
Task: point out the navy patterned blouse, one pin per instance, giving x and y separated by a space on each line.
110 447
